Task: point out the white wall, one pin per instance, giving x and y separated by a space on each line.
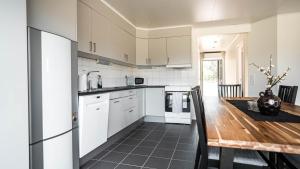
288 49
14 146
262 44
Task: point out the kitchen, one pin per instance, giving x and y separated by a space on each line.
121 97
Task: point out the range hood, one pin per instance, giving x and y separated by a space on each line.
179 66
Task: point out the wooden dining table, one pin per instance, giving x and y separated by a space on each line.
229 128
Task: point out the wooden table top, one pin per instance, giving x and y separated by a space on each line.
228 127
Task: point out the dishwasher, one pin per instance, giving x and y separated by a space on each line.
93 122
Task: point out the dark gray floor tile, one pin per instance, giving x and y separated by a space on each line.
158 163
147 143
114 157
186 147
130 141
187 140
142 150
111 147
104 165
138 136
170 139
136 160
88 164
122 166
184 155
164 153
167 145
124 148
176 164
100 155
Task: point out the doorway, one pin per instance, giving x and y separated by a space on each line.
212 76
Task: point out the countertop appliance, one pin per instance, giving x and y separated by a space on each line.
177 104
139 80
93 122
53 101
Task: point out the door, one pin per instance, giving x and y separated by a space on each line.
56 88
57 152
158 51
84 28
155 102
93 127
179 50
141 51
116 116
100 30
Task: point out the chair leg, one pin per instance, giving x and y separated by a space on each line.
198 155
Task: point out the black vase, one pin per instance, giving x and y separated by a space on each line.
268 103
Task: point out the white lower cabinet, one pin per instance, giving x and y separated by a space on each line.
116 119
93 122
155 102
140 94
124 110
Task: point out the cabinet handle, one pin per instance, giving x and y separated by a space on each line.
98 109
116 101
168 60
95 47
74 116
149 60
130 98
98 97
91 46
131 111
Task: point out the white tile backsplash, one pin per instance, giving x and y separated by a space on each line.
114 75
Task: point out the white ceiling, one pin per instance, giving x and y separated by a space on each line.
162 13
211 43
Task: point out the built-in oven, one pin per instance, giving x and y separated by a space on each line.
177 102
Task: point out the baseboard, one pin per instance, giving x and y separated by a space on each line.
157 119
111 140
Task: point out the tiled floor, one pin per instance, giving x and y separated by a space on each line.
150 146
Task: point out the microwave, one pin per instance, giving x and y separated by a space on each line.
139 81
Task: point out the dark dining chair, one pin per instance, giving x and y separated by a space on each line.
205 155
288 93
230 90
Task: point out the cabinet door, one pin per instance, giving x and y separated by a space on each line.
55 16
155 101
84 28
100 26
179 50
141 51
115 41
141 103
130 39
158 51
116 117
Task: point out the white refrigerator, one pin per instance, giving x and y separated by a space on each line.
52 101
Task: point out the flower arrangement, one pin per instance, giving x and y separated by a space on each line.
272 79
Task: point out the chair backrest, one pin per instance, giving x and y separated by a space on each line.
202 163
202 110
230 90
288 93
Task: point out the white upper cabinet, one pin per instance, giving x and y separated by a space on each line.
102 35
54 16
141 51
179 50
100 26
84 28
157 51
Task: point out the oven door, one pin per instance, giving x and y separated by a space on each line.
186 102
169 101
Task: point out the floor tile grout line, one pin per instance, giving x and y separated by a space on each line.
134 148
150 155
174 150
118 144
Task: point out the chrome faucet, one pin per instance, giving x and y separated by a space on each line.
89 82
